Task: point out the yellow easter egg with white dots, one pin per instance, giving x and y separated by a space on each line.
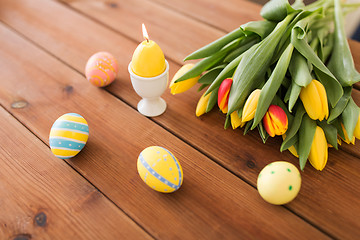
160 169
279 182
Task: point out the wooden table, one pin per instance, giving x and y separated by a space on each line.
98 194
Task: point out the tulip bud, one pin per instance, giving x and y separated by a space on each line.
314 99
275 121
357 129
319 150
347 140
250 105
223 94
202 104
236 120
185 85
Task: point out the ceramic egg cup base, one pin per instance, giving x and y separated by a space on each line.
150 89
151 107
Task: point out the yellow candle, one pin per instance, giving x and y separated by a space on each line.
148 59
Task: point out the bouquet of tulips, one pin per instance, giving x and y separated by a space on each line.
290 74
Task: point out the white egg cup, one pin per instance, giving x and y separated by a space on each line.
150 89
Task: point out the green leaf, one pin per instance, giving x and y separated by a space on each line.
294 95
202 87
210 76
276 10
227 122
272 85
208 62
340 106
328 47
253 65
299 70
226 72
250 41
263 134
306 136
350 117
293 127
337 123
247 126
262 28
332 86
212 100
341 62
216 45
330 133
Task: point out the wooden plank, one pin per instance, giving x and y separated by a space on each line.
225 15
206 133
211 204
41 196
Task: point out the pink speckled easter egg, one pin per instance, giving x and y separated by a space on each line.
101 69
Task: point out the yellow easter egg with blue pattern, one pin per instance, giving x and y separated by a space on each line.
160 169
68 135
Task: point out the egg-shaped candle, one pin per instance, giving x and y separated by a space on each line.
148 59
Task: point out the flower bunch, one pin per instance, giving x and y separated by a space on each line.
290 74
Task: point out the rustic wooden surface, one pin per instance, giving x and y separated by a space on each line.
98 194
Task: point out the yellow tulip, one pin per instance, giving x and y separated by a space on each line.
314 99
347 140
236 120
357 129
202 104
183 85
250 105
319 150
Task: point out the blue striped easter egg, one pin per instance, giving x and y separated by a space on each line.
160 169
68 135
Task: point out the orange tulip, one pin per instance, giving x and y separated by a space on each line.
223 94
275 121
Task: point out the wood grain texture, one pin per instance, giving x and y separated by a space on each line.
229 148
225 15
211 204
41 197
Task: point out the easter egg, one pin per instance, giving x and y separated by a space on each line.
101 69
68 135
279 182
160 169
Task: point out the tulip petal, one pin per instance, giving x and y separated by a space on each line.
278 116
275 121
185 85
311 101
319 150
357 129
202 104
323 99
250 105
236 120
223 94
268 125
